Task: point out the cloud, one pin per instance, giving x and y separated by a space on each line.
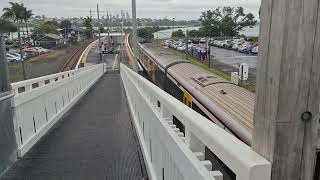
181 9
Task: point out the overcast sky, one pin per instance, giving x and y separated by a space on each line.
181 9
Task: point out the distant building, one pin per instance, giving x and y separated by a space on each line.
47 40
127 16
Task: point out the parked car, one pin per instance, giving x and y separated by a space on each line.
195 41
228 44
182 48
255 50
41 50
17 54
244 46
12 58
249 48
236 46
203 40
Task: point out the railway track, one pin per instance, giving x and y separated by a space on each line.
73 60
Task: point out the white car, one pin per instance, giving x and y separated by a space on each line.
182 48
41 50
236 46
255 50
11 58
203 40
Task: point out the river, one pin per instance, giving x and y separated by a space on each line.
165 34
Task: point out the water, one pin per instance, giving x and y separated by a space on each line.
165 34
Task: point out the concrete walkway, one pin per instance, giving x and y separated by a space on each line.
95 140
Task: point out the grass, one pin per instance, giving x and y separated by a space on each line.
194 61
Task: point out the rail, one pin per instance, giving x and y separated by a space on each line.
171 154
37 109
28 85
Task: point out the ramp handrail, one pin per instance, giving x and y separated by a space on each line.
27 85
167 149
37 109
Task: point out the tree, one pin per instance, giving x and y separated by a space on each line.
178 34
7 26
102 30
227 21
89 27
146 33
46 27
14 12
65 24
53 23
26 15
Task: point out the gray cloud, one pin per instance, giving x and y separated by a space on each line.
181 9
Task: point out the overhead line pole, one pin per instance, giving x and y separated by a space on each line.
4 72
100 55
134 36
21 55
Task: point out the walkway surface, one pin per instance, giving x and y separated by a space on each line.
95 140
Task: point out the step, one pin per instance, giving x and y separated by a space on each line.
217 175
180 134
177 130
207 164
199 155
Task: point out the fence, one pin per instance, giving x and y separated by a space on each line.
172 154
39 103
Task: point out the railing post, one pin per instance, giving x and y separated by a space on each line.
193 142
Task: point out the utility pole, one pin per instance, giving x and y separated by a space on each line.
187 47
100 53
4 72
286 118
134 36
208 52
21 55
172 27
90 13
122 39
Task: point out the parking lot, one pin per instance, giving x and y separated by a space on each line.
227 59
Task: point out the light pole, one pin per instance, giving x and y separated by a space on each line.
172 26
134 36
21 55
100 55
4 72
122 39
187 44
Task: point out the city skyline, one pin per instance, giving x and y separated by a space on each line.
155 9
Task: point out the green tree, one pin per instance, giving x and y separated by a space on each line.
65 24
226 21
45 28
52 23
178 34
26 15
14 12
102 30
146 33
7 26
89 27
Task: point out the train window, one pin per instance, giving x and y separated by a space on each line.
189 104
317 170
35 85
158 103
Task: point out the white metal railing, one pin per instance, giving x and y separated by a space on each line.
38 108
171 154
27 85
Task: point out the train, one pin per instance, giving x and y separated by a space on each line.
229 106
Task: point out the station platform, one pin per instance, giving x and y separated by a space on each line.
95 140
